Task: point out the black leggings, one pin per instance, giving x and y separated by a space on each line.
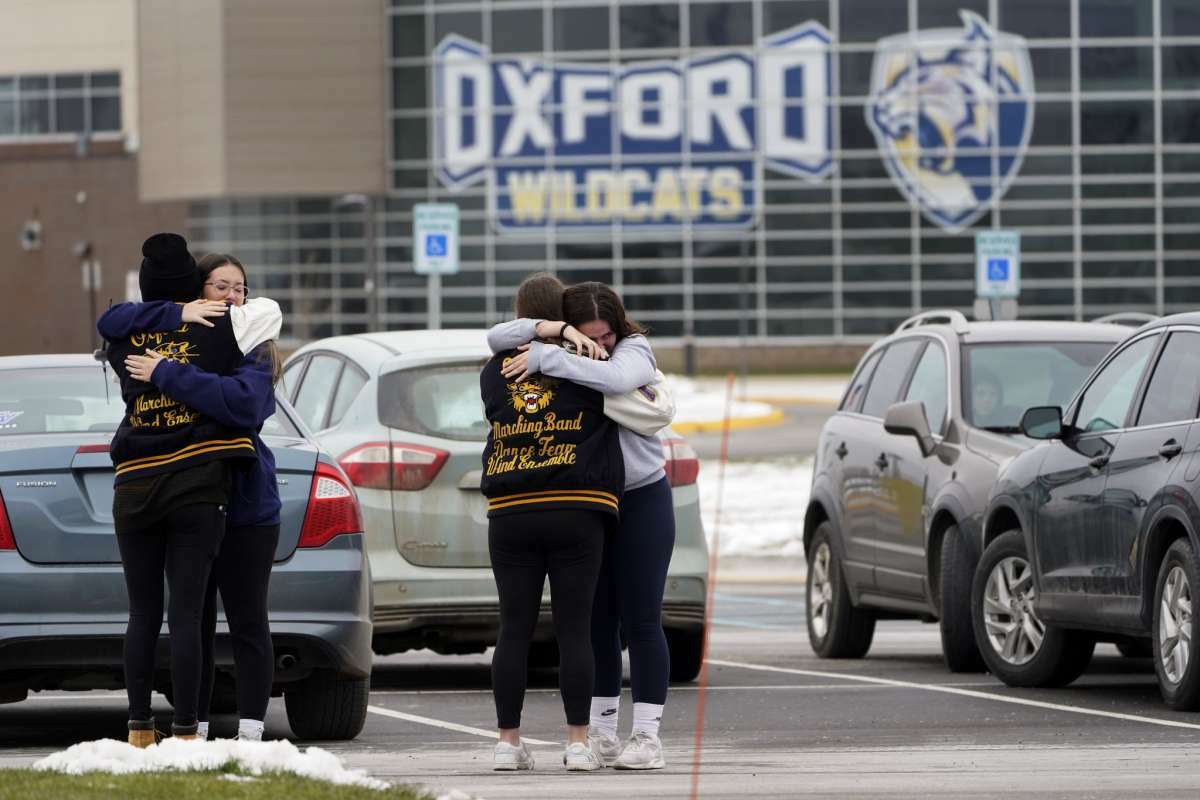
242 572
525 547
630 594
182 544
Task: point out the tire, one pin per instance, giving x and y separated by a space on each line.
1136 648
959 648
1059 658
324 706
687 653
1175 660
836 629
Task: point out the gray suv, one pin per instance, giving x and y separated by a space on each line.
904 467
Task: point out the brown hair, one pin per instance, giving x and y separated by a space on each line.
585 302
540 296
268 351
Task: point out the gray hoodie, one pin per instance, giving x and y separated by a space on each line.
630 366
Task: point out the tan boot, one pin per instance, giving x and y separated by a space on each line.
141 738
186 736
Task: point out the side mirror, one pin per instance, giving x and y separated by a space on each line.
1043 422
908 419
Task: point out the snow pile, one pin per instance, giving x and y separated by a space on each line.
762 506
256 758
697 403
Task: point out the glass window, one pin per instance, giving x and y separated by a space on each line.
650 26
8 117
33 83
74 81
780 15
946 13
1181 121
348 388
1113 18
517 30
68 114
105 80
1035 19
928 386
1112 69
721 24
889 376
60 400
1174 391
1105 402
1117 122
290 377
581 28
869 20
408 36
35 116
1181 66
316 391
465 23
279 424
435 401
106 113
1180 18
1003 380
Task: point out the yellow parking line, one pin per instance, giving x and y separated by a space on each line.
715 425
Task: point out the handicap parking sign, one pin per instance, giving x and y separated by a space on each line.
435 238
997 264
997 269
435 244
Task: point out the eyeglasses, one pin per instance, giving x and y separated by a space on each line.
221 286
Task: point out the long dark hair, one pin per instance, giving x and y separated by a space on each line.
268 352
585 302
540 296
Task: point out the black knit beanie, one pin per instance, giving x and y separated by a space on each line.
168 270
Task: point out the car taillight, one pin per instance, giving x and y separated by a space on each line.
332 508
7 540
683 465
92 448
403 467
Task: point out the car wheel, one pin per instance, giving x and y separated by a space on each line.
686 648
1017 646
1174 658
836 629
325 706
958 634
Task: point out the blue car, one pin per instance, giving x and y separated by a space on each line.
63 605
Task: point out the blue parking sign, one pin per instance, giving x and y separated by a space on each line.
435 244
435 238
997 264
997 269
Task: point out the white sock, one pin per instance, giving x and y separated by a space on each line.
251 729
202 730
647 717
604 714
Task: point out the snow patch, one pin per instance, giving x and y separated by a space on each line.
697 403
256 758
762 506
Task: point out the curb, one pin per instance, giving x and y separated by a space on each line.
715 426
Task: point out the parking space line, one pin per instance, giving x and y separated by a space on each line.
761 601
737 623
1019 701
449 726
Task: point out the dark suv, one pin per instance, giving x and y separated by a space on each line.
903 470
1093 535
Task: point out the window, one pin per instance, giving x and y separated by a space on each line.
1174 391
59 400
889 376
1105 402
436 401
859 388
39 105
348 387
928 386
316 391
291 377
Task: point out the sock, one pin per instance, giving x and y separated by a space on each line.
202 730
604 714
647 717
250 729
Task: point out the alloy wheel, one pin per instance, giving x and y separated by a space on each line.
820 591
1175 625
1013 628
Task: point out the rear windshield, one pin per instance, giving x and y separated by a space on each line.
1001 381
59 400
441 400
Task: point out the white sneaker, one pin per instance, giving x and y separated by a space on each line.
604 744
508 758
641 751
578 757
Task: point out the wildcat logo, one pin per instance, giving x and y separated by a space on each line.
952 114
530 396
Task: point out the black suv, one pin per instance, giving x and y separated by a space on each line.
903 470
1093 535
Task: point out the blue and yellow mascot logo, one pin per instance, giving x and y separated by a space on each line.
952 112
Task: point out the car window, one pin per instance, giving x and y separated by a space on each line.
1174 391
440 400
928 385
316 391
60 400
348 387
279 424
1106 401
290 377
889 376
854 397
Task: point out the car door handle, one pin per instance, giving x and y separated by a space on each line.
882 461
841 451
1170 449
1099 462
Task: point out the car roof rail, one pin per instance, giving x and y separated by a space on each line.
1134 319
941 316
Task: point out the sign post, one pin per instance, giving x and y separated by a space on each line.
997 274
435 250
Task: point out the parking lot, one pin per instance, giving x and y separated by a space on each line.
779 723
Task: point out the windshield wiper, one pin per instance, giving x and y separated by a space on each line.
1001 428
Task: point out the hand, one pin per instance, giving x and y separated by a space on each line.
200 310
142 367
517 366
583 344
